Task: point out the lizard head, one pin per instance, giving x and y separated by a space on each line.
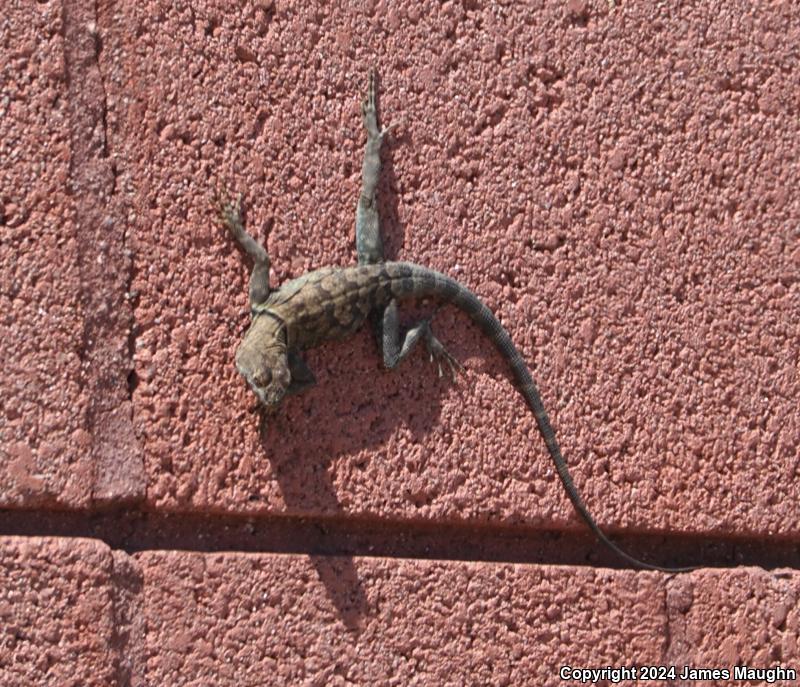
261 359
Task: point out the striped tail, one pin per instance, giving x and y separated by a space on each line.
411 280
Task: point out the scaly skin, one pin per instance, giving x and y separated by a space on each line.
333 303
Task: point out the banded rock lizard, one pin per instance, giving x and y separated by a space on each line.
332 303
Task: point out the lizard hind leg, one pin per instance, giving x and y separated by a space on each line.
394 352
370 251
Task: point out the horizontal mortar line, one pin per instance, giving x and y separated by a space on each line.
136 531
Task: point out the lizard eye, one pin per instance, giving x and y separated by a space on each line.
263 377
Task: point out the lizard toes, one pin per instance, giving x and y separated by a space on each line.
438 352
455 366
229 209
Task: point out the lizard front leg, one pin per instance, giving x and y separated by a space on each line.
369 244
302 377
230 214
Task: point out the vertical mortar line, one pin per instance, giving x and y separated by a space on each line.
677 602
104 266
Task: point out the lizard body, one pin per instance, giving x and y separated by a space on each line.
332 303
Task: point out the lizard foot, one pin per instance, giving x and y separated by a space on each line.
439 353
229 210
369 111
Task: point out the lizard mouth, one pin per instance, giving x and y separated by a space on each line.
261 393
268 395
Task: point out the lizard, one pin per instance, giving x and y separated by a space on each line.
333 303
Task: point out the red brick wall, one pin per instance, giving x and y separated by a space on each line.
618 183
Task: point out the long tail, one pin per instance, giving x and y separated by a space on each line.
414 280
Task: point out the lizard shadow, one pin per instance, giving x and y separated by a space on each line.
328 453
337 456
351 412
356 406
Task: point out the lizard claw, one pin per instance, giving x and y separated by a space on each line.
368 104
439 353
369 111
229 210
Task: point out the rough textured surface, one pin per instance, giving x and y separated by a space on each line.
618 181
57 614
333 621
619 195
66 435
735 617
43 444
72 612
